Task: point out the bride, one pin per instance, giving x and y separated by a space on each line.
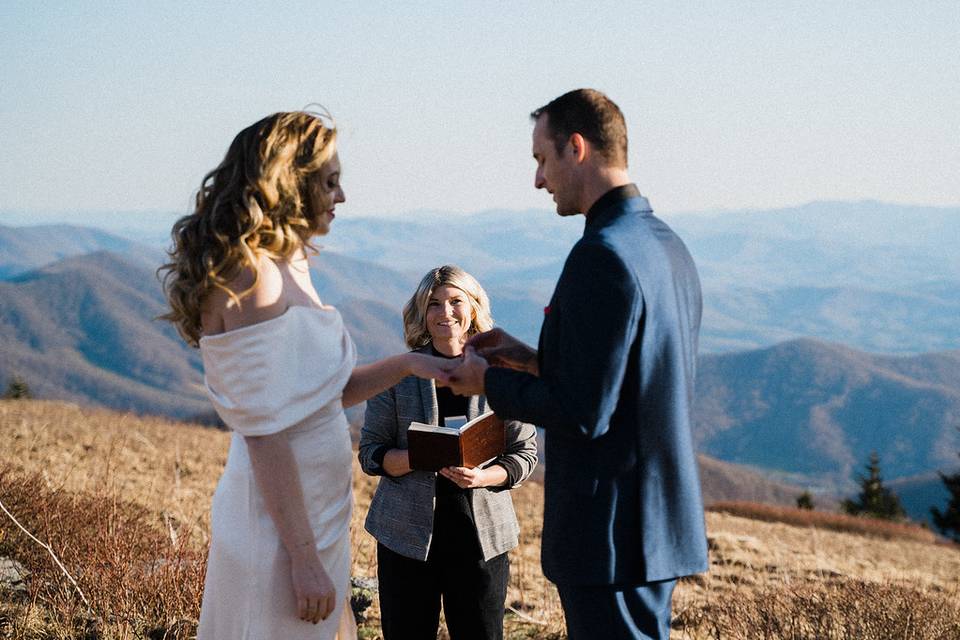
279 368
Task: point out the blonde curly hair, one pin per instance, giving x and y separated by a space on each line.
257 202
415 331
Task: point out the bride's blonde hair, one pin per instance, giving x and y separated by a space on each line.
257 202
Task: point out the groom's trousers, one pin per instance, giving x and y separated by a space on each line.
618 613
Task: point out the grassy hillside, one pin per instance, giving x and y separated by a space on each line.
767 579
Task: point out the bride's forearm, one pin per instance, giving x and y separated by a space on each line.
368 380
276 475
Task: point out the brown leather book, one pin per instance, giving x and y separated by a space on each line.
432 448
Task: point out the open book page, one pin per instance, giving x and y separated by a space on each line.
456 422
433 428
453 426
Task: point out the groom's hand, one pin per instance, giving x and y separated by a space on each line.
500 349
467 379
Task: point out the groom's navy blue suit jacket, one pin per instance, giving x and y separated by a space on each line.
617 357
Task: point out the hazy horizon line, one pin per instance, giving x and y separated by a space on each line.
429 212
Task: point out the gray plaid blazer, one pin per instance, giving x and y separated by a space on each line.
401 512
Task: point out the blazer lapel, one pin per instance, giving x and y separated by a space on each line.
428 395
430 413
476 406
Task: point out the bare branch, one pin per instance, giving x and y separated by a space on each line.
52 555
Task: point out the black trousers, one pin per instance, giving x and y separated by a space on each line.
471 590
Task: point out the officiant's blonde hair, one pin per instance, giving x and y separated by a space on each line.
257 202
415 311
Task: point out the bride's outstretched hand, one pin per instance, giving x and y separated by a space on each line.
431 367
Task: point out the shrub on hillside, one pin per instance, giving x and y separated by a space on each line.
948 520
875 500
823 520
138 579
17 389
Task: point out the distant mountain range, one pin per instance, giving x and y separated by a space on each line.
814 411
23 249
864 244
85 329
917 494
77 308
875 276
722 481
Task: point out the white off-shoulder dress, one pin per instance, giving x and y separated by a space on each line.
285 374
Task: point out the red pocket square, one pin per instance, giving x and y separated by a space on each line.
546 310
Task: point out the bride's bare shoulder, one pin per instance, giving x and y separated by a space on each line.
265 301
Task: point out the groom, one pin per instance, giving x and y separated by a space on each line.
611 383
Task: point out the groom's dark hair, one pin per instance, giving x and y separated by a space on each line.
594 116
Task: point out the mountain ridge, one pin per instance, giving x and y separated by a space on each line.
834 401
101 309
817 409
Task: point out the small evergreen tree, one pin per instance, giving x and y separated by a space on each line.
17 389
805 501
948 520
875 500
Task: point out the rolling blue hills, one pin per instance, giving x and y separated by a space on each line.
829 329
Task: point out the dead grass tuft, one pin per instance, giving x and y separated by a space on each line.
884 529
139 579
835 609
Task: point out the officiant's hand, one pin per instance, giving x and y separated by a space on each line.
467 379
500 349
467 478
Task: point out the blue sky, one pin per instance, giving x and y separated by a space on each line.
124 106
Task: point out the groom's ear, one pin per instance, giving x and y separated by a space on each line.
580 147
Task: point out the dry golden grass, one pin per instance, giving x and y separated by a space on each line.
114 568
885 529
169 468
768 579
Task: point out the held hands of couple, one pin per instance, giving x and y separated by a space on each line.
491 348
464 375
430 367
467 378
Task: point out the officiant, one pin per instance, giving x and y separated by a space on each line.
441 537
